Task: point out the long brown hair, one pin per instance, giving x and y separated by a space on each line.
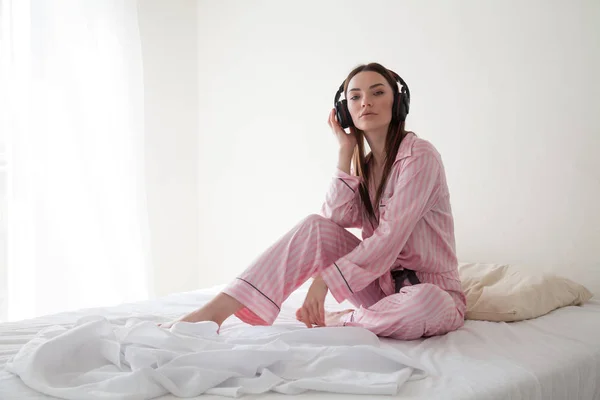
395 134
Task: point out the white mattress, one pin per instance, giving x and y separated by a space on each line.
556 356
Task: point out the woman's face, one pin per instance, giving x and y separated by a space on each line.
370 99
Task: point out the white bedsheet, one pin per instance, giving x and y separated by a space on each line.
556 356
97 359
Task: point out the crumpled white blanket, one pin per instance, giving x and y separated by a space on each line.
96 359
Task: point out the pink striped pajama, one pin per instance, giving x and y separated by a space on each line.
415 231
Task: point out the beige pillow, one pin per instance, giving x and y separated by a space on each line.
508 293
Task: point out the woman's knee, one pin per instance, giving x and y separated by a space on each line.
313 219
416 311
437 308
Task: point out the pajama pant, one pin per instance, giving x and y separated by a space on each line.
315 243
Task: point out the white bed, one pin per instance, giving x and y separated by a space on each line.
556 356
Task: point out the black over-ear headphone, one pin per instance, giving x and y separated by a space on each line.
399 109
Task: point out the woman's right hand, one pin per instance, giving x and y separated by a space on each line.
347 141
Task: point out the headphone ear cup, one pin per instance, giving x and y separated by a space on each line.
343 115
401 106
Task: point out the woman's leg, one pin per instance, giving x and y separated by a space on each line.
256 295
416 311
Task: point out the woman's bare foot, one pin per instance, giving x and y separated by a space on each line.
199 315
332 318
217 310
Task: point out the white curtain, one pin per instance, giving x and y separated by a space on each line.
77 220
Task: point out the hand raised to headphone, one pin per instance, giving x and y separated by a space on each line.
347 141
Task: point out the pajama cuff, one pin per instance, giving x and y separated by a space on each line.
258 308
351 181
336 282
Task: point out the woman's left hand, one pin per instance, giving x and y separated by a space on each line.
312 311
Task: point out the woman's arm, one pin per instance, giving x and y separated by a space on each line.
415 193
342 202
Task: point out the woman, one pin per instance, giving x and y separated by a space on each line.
403 276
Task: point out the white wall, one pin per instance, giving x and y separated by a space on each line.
508 91
169 45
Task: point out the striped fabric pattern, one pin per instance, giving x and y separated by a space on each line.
414 230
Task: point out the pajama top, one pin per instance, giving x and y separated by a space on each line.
415 228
